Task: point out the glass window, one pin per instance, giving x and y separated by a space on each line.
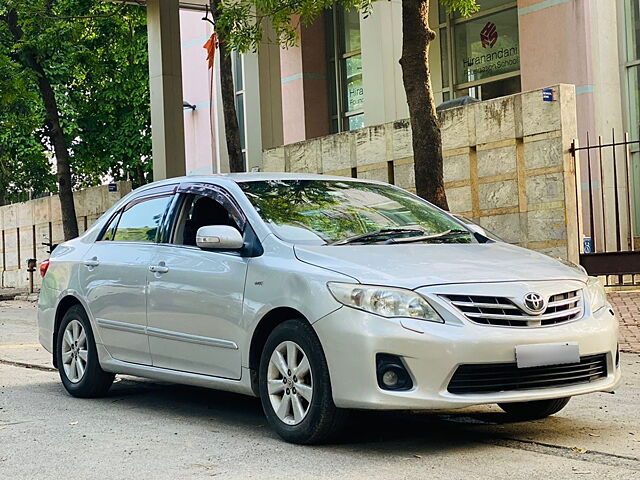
356 121
486 5
325 211
110 228
632 14
487 46
444 57
238 83
140 222
346 96
442 13
351 31
487 91
480 49
199 211
241 126
353 83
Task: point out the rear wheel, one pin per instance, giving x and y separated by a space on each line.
534 410
295 388
77 358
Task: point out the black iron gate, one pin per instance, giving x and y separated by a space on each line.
606 208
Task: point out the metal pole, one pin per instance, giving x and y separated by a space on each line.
630 205
615 189
591 203
602 194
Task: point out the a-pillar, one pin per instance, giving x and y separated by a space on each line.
165 79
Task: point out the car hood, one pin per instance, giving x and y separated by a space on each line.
418 265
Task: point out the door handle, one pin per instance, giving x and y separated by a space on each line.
158 269
92 263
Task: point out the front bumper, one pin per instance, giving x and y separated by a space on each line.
352 338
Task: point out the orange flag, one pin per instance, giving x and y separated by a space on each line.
211 46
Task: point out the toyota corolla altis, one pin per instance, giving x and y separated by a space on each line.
319 295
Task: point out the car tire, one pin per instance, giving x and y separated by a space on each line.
298 401
79 367
534 410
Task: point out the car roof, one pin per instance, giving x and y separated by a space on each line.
223 178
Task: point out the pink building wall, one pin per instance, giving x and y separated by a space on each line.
199 124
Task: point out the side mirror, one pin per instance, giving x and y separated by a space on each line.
219 237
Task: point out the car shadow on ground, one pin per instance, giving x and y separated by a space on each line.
383 431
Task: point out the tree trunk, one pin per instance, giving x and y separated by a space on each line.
427 140
228 92
54 131
56 134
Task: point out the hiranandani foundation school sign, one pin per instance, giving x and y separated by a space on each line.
491 54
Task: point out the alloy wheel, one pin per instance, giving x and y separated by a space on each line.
290 383
74 351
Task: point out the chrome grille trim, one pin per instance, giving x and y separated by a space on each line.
503 306
560 303
501 311
544 316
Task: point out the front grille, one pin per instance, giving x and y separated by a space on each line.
503 312
501 377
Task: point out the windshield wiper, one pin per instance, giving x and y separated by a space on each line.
378 235
437 236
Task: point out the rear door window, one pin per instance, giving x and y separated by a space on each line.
140 221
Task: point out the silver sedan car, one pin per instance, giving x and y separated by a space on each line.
320 295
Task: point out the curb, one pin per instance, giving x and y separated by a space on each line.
32 366
30 297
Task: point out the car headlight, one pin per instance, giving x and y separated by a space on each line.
384 301
596 294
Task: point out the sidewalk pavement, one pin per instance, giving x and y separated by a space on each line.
19 337
627 307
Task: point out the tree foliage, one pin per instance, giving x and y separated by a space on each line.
94 56
243 21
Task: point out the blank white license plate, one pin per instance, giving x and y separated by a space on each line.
547 354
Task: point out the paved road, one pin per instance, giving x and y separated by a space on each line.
146 429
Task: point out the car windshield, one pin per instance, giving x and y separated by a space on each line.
344 212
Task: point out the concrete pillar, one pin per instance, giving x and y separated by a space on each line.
270 92
165 78
305 108
381 39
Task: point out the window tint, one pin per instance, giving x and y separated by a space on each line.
200 211
327 211
140 222
111 228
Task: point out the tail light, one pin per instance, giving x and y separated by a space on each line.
44 266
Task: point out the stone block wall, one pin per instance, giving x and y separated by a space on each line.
25 226
506 165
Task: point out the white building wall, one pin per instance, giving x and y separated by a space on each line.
381 37
205 145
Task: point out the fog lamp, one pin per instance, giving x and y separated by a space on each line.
391 373
390 378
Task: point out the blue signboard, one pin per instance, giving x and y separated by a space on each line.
548 95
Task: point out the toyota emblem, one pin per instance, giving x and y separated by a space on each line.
534 303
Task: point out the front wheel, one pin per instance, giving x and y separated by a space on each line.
534 410
295 388
77 357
